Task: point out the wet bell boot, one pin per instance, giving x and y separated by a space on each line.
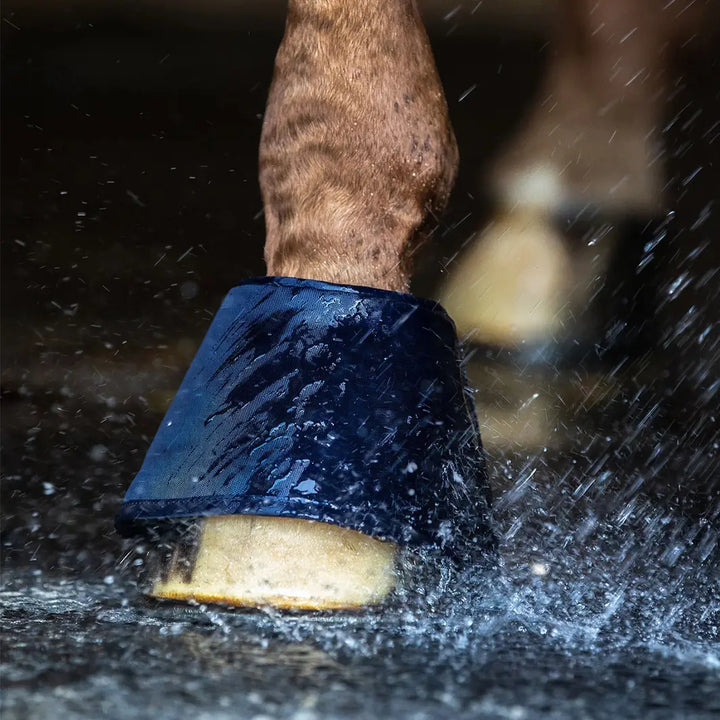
319 428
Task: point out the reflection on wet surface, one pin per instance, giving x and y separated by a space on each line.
607 599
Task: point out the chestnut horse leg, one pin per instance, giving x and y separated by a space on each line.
591 141
356 158
357 153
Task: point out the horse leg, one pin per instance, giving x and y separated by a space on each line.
357 157
590 146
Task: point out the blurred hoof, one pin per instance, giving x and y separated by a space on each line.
513 286
287 563
516 409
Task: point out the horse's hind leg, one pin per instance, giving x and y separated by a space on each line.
590 146
356 158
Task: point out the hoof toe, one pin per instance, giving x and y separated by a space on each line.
255 561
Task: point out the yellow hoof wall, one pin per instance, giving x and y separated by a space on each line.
514 285
289 563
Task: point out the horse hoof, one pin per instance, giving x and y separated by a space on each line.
292 564
558 289
318 428
512 286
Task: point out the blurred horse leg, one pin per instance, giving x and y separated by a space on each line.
590 147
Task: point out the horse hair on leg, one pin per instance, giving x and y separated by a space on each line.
357 155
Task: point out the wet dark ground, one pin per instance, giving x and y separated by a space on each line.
130 207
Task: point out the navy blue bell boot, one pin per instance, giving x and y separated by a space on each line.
340 404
